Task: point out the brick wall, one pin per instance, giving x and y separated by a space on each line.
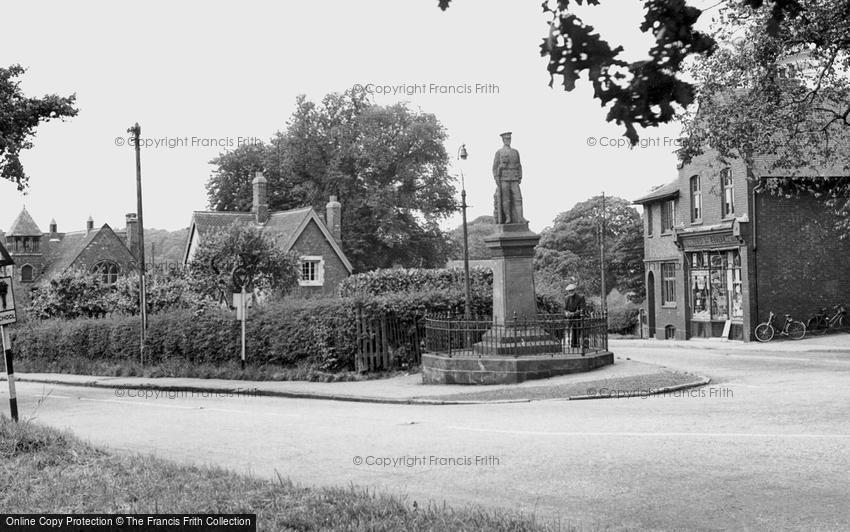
802 264
708 167
106 246
313 242
659 248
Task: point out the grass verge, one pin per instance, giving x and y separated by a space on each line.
43 470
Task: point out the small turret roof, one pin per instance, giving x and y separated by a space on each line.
24 225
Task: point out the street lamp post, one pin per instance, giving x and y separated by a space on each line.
467 307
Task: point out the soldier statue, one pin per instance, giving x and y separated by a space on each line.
507 171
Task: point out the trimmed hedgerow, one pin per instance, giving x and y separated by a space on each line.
409 280
321 332
317 333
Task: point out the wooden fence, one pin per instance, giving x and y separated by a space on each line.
388 342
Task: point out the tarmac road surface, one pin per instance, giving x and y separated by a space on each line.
766 446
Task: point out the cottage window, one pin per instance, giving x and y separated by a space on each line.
107 271
312 271
696 199
668 284
728 191
668 216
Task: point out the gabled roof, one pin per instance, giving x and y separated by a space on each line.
312 216
670 190
24 225
283 226
64 253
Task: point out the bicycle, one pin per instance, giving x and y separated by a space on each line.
821 323
793 329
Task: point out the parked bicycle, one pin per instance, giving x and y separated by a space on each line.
823 322
793 329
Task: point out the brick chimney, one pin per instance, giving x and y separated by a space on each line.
333 218
260 206
53 228
89 225
133 233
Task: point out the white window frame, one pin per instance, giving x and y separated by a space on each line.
320 270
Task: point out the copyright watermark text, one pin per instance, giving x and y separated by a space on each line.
151 393
711 392
643 142
430 89
411 461
172 143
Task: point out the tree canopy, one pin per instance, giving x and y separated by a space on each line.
477 229
652 91
386 164
782 93
265 266
19 116
569 250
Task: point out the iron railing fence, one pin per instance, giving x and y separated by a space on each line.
547 334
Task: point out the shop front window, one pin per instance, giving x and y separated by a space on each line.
715 285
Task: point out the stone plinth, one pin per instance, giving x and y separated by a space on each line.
516 340
442 369
512 247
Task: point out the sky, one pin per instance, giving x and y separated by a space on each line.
202 77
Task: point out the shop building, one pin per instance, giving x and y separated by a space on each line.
721 252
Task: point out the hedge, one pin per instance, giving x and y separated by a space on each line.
410 280
317 332
320 333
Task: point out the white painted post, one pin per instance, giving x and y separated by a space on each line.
10 371
243 303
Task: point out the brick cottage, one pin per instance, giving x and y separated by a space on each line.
721 252
317 242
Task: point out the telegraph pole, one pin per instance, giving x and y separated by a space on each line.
136 130
602 254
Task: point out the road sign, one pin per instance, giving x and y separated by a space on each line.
5 258
7 301
241 304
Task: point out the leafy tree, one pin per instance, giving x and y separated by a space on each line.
164 291
72 294
648 92
267 267
387 165
783 93
477 229
569 250
19 116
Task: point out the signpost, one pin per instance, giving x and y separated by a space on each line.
8 316
240 301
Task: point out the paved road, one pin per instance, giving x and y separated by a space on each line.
765 447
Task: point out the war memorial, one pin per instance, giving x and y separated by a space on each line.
516 343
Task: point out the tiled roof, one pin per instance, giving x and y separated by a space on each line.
668 190
280 225
283 226
64 252
24 225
